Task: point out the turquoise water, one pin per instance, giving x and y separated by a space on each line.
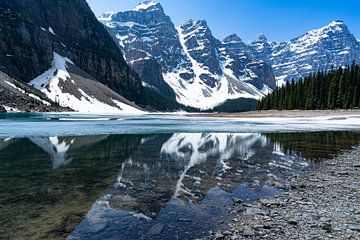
147 177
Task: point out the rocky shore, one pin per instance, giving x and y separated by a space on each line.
323 204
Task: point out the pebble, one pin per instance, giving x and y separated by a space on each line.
248 231
323 204
292 222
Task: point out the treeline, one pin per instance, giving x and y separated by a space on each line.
336 89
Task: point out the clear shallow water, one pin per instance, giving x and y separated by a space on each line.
146 186
146 177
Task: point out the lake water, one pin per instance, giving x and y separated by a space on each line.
173 177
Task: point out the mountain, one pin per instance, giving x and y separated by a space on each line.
187 62
36 38
321 49
57 56
16 96
63 52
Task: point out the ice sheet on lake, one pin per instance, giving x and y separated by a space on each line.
45 125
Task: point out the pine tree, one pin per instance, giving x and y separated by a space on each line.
339 88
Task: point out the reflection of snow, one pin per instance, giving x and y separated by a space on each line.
121 181
277 149
56 148
196 148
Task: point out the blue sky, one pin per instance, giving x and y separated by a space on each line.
279 20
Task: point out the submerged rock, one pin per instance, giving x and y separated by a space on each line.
308 211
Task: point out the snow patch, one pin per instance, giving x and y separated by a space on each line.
51 31
50 84
11 109
145 5
29 94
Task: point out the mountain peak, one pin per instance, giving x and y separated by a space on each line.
334 26
261 38
147 5
195 24
107 16
337 22
232 38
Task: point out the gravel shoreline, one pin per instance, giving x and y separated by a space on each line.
324 204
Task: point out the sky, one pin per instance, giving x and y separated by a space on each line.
279 20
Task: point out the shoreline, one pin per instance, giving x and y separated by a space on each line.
280 114
322 204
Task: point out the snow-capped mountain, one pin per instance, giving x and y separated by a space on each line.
320 49
201 71
186 62
65 57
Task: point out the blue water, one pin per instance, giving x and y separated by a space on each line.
147 177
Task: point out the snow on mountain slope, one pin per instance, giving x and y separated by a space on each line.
16 97
68 86
319 49
145 5
213 81
190 61
191 65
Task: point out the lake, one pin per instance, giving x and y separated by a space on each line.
146 177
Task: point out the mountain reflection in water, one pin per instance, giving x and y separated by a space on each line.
175 186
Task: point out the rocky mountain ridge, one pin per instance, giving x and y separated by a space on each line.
203 72
320 49
192 64
60 50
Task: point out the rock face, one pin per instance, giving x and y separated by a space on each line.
195 67
33 30
202 71
17 96
320 49
2 109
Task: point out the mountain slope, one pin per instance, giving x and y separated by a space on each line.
34 31
69 86
16 96
321 49
192 63
68 28
204 72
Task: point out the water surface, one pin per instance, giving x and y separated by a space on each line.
176 185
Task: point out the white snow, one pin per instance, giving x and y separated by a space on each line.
29 94
14 86
56 148
197 94
50 84
145 5
224 147
51 31
11 109
106 16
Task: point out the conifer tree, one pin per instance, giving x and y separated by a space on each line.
338 88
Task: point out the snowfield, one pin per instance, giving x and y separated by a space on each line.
54 81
